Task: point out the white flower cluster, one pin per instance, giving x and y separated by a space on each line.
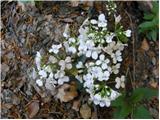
95 55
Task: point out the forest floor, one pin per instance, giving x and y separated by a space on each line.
23 33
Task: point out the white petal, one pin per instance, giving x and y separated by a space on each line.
98 62
117 85
66 31
88 53
66 79
106 73
72 40
39 82
102 24
108 103
117 18
55 51
102 57
96 102
68 66
68 59
95 55
122 85
72 49
101 17
60 81
102 104
104 66
61 63
43 73
128 33
122 78
93 21
52 59
119 58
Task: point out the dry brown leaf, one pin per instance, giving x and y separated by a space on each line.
98 6
32 108
67 92
145 45
87 4
76 105
153 84
85 111
74 3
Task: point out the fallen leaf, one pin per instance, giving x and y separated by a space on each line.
5 67
74 3
87 4
67 92
76 105
145 45
153 84
98 5
32 108
85 111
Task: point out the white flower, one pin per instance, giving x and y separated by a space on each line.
65 63
94 21
88 80
117 18
128 33
115 68
79 65
120 82
39 82
102 61
48 69
60 75
63 79
55 48
38 60
52 59
116 57
50 82
109 37
114 95
71 40
96 71
119 46
42 73
66 33
104 76
109 48
102 22
72 49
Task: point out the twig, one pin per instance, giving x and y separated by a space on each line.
133 45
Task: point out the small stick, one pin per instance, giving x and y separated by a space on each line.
133 38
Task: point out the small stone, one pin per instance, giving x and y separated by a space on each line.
85 111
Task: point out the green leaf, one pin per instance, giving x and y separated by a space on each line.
141 113
155 8
142 93
122 112
148 16
153 35
118 102
145 26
